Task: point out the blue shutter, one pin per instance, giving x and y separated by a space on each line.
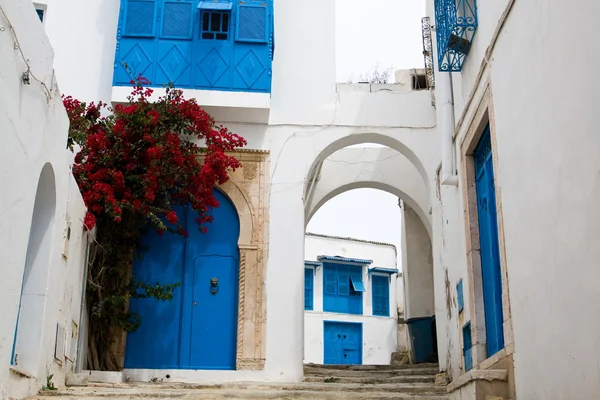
381 295
140 18
459 296
343 281
467 346
308 288
252 23
40 14
177 18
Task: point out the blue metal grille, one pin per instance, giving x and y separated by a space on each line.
140 18
177 19
252 23
456 24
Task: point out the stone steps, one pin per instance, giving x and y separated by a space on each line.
369 379
315 371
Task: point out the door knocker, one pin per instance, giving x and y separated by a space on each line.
214 285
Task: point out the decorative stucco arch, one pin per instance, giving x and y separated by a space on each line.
248 190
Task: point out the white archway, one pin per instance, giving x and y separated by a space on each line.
28 337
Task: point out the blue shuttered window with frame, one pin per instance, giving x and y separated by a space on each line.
342 288
380 287
200 44
309 288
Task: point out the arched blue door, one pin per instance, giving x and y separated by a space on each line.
197 329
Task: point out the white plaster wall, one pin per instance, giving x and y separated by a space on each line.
380 337
310 118
547 175
34 128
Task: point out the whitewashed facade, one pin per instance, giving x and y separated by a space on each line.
379 332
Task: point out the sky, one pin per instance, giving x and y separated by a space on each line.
391 37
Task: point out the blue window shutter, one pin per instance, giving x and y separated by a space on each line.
459 296
177 19
308 288
381 295
40 14
343 283
357 285
467 346
252 23
329 275
140 18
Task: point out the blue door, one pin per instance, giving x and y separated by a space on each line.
342 343
488 237
197 329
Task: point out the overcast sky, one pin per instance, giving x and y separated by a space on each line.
387 32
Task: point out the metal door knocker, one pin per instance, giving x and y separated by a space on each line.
214 285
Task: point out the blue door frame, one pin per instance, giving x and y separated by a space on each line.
488 237
342 342
197 329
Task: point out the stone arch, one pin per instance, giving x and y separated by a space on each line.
28 336
246 215
358 138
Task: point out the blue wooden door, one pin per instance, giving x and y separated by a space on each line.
488 237
342 343
198 328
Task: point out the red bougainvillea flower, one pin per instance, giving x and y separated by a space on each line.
142 159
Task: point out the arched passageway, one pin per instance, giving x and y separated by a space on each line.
28 336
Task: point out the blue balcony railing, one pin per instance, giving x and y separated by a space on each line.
456 24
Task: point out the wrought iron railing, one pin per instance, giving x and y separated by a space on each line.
455 26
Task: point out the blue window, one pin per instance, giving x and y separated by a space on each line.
459 296
215 25
381 295
308 289
211 45
467 346
40 14
342 288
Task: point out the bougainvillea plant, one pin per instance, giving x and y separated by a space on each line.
135 162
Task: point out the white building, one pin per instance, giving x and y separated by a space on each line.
352 288
524 86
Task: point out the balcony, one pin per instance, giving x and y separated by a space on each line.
219 52
456 24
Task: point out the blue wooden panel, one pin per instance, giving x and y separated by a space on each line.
467 346
177 19
338 295
163 262
198 329
459 295
252 67
308 288
342 343
136 55
252 22
174 63
212 62
139 18
488 236
381 295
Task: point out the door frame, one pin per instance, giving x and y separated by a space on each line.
360 350
482 116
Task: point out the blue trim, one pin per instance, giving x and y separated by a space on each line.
211 5
459 296
312 263
382 271
357 285
344 259
308 289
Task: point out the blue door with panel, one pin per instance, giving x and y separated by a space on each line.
342 343
488 237
197 329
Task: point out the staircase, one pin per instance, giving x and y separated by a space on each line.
331 382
